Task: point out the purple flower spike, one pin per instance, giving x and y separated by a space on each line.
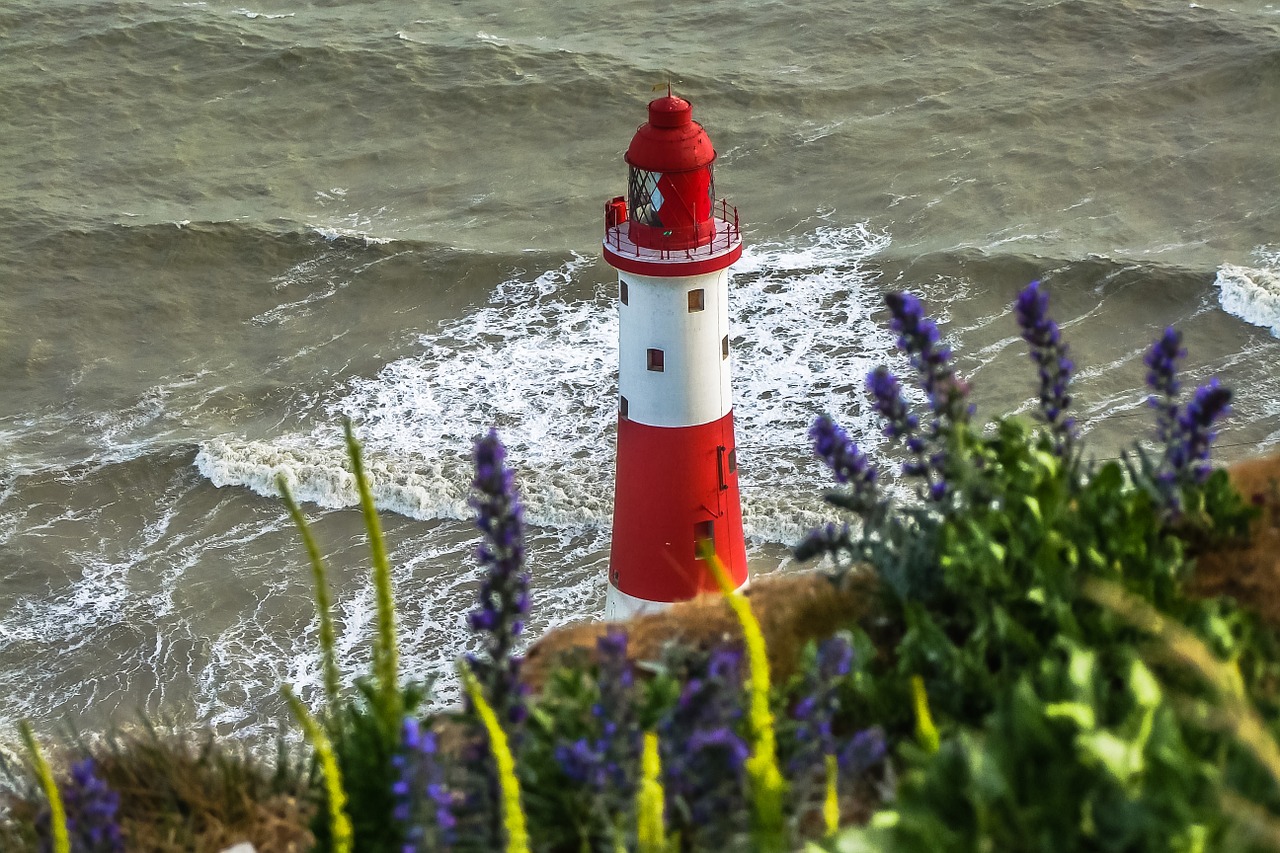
815 736
886 395
1194 431
864 750
818 704
1186 433
424 804
828 538
833 445
1162 362
918 338
849 464
703 753
1050 355
504 593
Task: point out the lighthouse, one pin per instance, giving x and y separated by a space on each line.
672 242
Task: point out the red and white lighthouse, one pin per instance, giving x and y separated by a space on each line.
672 242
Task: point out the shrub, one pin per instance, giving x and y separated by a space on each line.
1056 735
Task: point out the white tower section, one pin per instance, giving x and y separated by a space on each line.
680 325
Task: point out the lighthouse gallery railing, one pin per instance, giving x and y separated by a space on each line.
726 235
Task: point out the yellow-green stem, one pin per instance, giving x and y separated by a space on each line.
926 732
386 654
508 783
324 605
57 811
831 803
651 830
339 822
767 785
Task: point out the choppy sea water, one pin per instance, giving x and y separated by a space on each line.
226 228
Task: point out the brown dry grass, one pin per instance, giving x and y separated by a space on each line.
792 608
1249 572
183 796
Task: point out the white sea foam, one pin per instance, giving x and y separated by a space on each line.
1253 293
264 15
541 367
331 234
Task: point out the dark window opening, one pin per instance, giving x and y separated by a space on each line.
704 530
724 347
622 292
657 360
622 406
733 460
697 300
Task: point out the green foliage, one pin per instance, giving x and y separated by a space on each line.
1056 734
1071 758
979 586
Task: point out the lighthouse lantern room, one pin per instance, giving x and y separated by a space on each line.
672 242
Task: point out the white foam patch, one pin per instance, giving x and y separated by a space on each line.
264 15
1253 293
542 368
331 234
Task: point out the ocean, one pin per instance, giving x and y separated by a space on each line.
224 229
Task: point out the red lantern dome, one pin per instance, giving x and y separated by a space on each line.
671 194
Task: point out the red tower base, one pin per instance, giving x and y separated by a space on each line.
675 486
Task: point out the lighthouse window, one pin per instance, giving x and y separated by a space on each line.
704 530
645 200
657 360
622 406
622 292
697 300
724 347
733 460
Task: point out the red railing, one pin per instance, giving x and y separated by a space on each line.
724 216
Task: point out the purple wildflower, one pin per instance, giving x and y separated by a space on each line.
1162 378
703 753
833 445
946 392
829 538
850 465
504 593
818 704
91 808
863 751
1051 357
918 338
814 735
1188 451
1186 433
606 762
424 804
886 395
